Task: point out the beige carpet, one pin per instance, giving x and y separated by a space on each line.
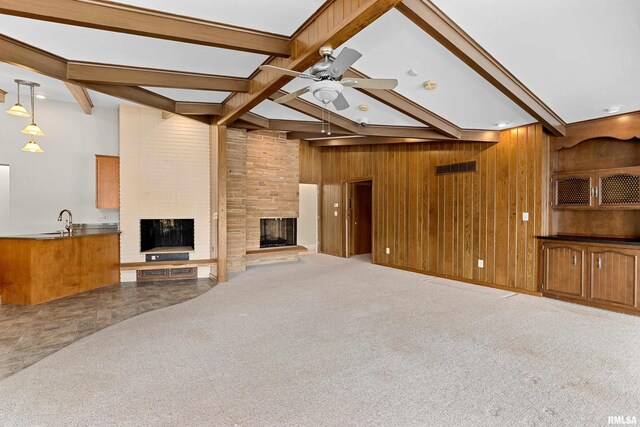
329 341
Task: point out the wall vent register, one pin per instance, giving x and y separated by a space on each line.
456 168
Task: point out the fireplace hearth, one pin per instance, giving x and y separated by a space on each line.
276 232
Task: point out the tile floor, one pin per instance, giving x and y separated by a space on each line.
31 333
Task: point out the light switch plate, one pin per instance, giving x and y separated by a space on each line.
480 263
525 216
387 251
335 213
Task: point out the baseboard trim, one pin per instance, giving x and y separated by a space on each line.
602 306
462 279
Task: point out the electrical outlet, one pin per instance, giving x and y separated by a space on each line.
387 251
480 263
525 216
102 217
335 205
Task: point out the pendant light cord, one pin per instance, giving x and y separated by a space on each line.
18 84
33 110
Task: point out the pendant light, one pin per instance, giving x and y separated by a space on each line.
32 147
32 128
18 110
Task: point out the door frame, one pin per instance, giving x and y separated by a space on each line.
346 213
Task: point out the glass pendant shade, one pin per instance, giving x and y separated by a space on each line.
32 147
19 111
32 129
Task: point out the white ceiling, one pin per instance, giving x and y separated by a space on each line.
462 96
51 88
274 16
578 56
86 44
189 95
271 110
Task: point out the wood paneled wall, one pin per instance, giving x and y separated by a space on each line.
444 224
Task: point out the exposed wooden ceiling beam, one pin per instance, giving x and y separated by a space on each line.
135 76
81 96
371 140
334 25
439 26
198 108
2 95
407 107
255 120
128 19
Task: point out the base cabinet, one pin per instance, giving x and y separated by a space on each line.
601 275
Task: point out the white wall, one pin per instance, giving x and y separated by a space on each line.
42 184
5 213
164 173
308 218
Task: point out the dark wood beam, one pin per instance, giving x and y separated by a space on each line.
127 19
333 26
256 120
2 95
135 76
81 96
198 108
407 107
370 140
439 26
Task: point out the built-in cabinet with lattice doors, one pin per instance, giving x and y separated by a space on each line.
597 189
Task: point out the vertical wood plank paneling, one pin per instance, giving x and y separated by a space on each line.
444 224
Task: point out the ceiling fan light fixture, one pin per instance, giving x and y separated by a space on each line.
326 91
32 147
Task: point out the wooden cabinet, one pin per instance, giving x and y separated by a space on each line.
599 274
107 182
565 269
617 188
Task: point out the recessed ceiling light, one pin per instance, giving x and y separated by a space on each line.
612 109
501 124
430 85
363 107
413 72
39 96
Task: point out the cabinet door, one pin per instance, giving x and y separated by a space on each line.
614 276
573 190
107 182
619 188
564 269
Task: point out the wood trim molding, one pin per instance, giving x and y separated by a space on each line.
439 26
81 96
136 76
352 141
334 25
219 144
198 108
105 15
623 126
407 107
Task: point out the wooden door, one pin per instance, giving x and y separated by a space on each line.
614 276
360 218
565 269
107 182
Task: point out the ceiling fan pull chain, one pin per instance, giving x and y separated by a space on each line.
328 121
322 115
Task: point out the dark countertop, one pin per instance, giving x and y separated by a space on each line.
594 239
58 235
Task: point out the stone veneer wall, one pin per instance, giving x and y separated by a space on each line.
262 181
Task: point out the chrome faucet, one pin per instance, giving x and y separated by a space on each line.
69 224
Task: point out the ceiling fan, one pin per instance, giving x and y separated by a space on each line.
327 76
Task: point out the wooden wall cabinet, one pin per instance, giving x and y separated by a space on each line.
107 182
611 281
617 188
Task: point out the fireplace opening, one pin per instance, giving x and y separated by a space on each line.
166 235
275 232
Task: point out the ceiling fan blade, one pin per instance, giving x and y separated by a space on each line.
286 72
341 103
293 95
343 61
370 83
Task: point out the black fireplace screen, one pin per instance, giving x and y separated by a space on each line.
156 234
276 232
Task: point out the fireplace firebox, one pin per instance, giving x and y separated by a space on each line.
275 232
166 235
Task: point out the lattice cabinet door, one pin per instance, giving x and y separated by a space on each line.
573 190
619 188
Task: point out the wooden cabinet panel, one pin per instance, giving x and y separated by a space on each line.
614 275
107 182
565 269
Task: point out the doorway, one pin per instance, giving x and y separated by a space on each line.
360 217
